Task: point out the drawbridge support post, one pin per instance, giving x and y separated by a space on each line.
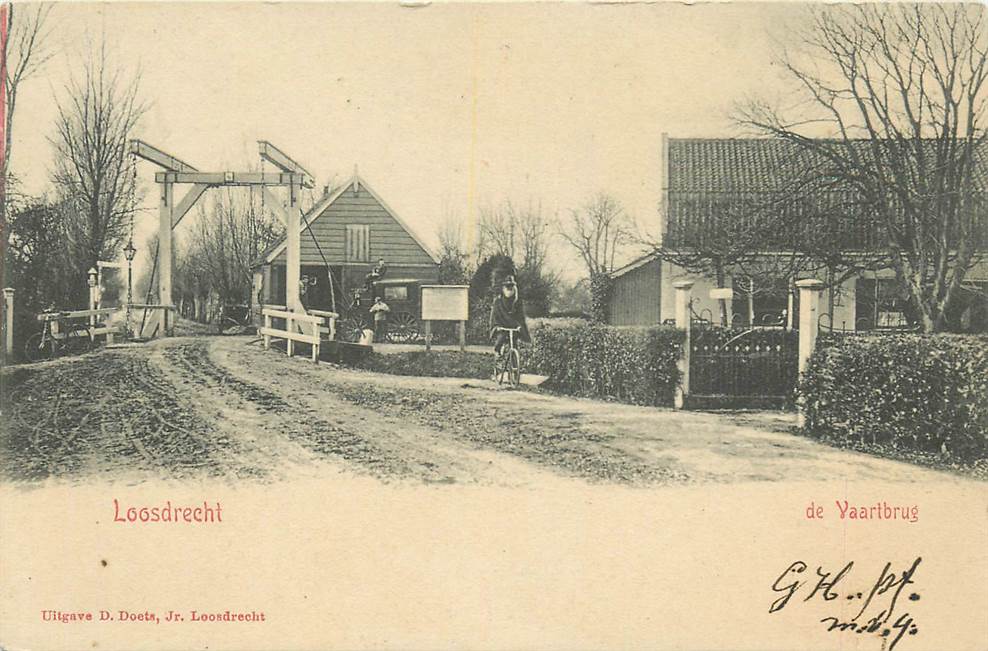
290 175
165 253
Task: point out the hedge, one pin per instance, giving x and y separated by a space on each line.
923 392
634 365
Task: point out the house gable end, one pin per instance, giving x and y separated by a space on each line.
355 210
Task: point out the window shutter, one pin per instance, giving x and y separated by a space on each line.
357 243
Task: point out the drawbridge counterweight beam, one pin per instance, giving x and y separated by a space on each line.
291 175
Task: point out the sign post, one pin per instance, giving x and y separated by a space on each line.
445 303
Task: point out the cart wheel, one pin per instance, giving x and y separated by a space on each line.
39 349
350 329
403 328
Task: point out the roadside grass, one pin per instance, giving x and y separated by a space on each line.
435 364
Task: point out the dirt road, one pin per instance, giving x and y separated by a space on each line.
223 407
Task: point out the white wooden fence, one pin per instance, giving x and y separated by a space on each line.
57 318
328 327
299 326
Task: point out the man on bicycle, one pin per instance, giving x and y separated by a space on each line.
507 311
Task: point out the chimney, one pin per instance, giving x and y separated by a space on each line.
325 191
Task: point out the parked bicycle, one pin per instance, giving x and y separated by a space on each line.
233 318
71 338
507 364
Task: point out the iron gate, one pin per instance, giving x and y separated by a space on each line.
742 366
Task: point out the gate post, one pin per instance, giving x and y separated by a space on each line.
683 299
8 323
810 293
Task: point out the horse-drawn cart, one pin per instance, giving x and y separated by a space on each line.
404 299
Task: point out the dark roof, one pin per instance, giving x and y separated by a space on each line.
703 165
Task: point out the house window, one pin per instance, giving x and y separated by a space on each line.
880 303
396 293
762 301
358 243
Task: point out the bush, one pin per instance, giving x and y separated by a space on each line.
923 392
434 364
634 365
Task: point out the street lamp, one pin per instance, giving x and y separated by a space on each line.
129 253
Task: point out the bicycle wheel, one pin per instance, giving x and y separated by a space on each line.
79 341
499 367
39 348
514 367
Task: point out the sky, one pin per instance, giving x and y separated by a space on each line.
446 108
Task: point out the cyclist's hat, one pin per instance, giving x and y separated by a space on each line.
508 281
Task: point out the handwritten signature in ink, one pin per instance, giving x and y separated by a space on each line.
878 602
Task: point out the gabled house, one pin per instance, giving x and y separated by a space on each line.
706 182
345 233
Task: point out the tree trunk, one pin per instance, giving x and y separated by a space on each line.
721 303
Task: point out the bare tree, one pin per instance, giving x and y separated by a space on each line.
717 235
598 231
898 94
97 115
228 236
25 53
454 258
521 234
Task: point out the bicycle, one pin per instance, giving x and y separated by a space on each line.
507 363
233 319
45 345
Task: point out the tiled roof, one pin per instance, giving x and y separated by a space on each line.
752 164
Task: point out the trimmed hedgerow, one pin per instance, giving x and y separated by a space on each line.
633 365
921 392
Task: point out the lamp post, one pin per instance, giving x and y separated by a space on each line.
129 253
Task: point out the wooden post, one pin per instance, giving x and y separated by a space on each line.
683 320
267 328
428 336
289 343
93 302
810 293
463 336
315 346
165 253
8 322
293 269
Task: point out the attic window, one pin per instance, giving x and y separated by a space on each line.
358 243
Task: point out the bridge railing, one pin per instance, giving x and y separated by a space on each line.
299 327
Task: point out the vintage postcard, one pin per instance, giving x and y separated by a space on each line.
539 326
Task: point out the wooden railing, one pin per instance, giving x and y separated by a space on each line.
295 325
57 318
329 322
